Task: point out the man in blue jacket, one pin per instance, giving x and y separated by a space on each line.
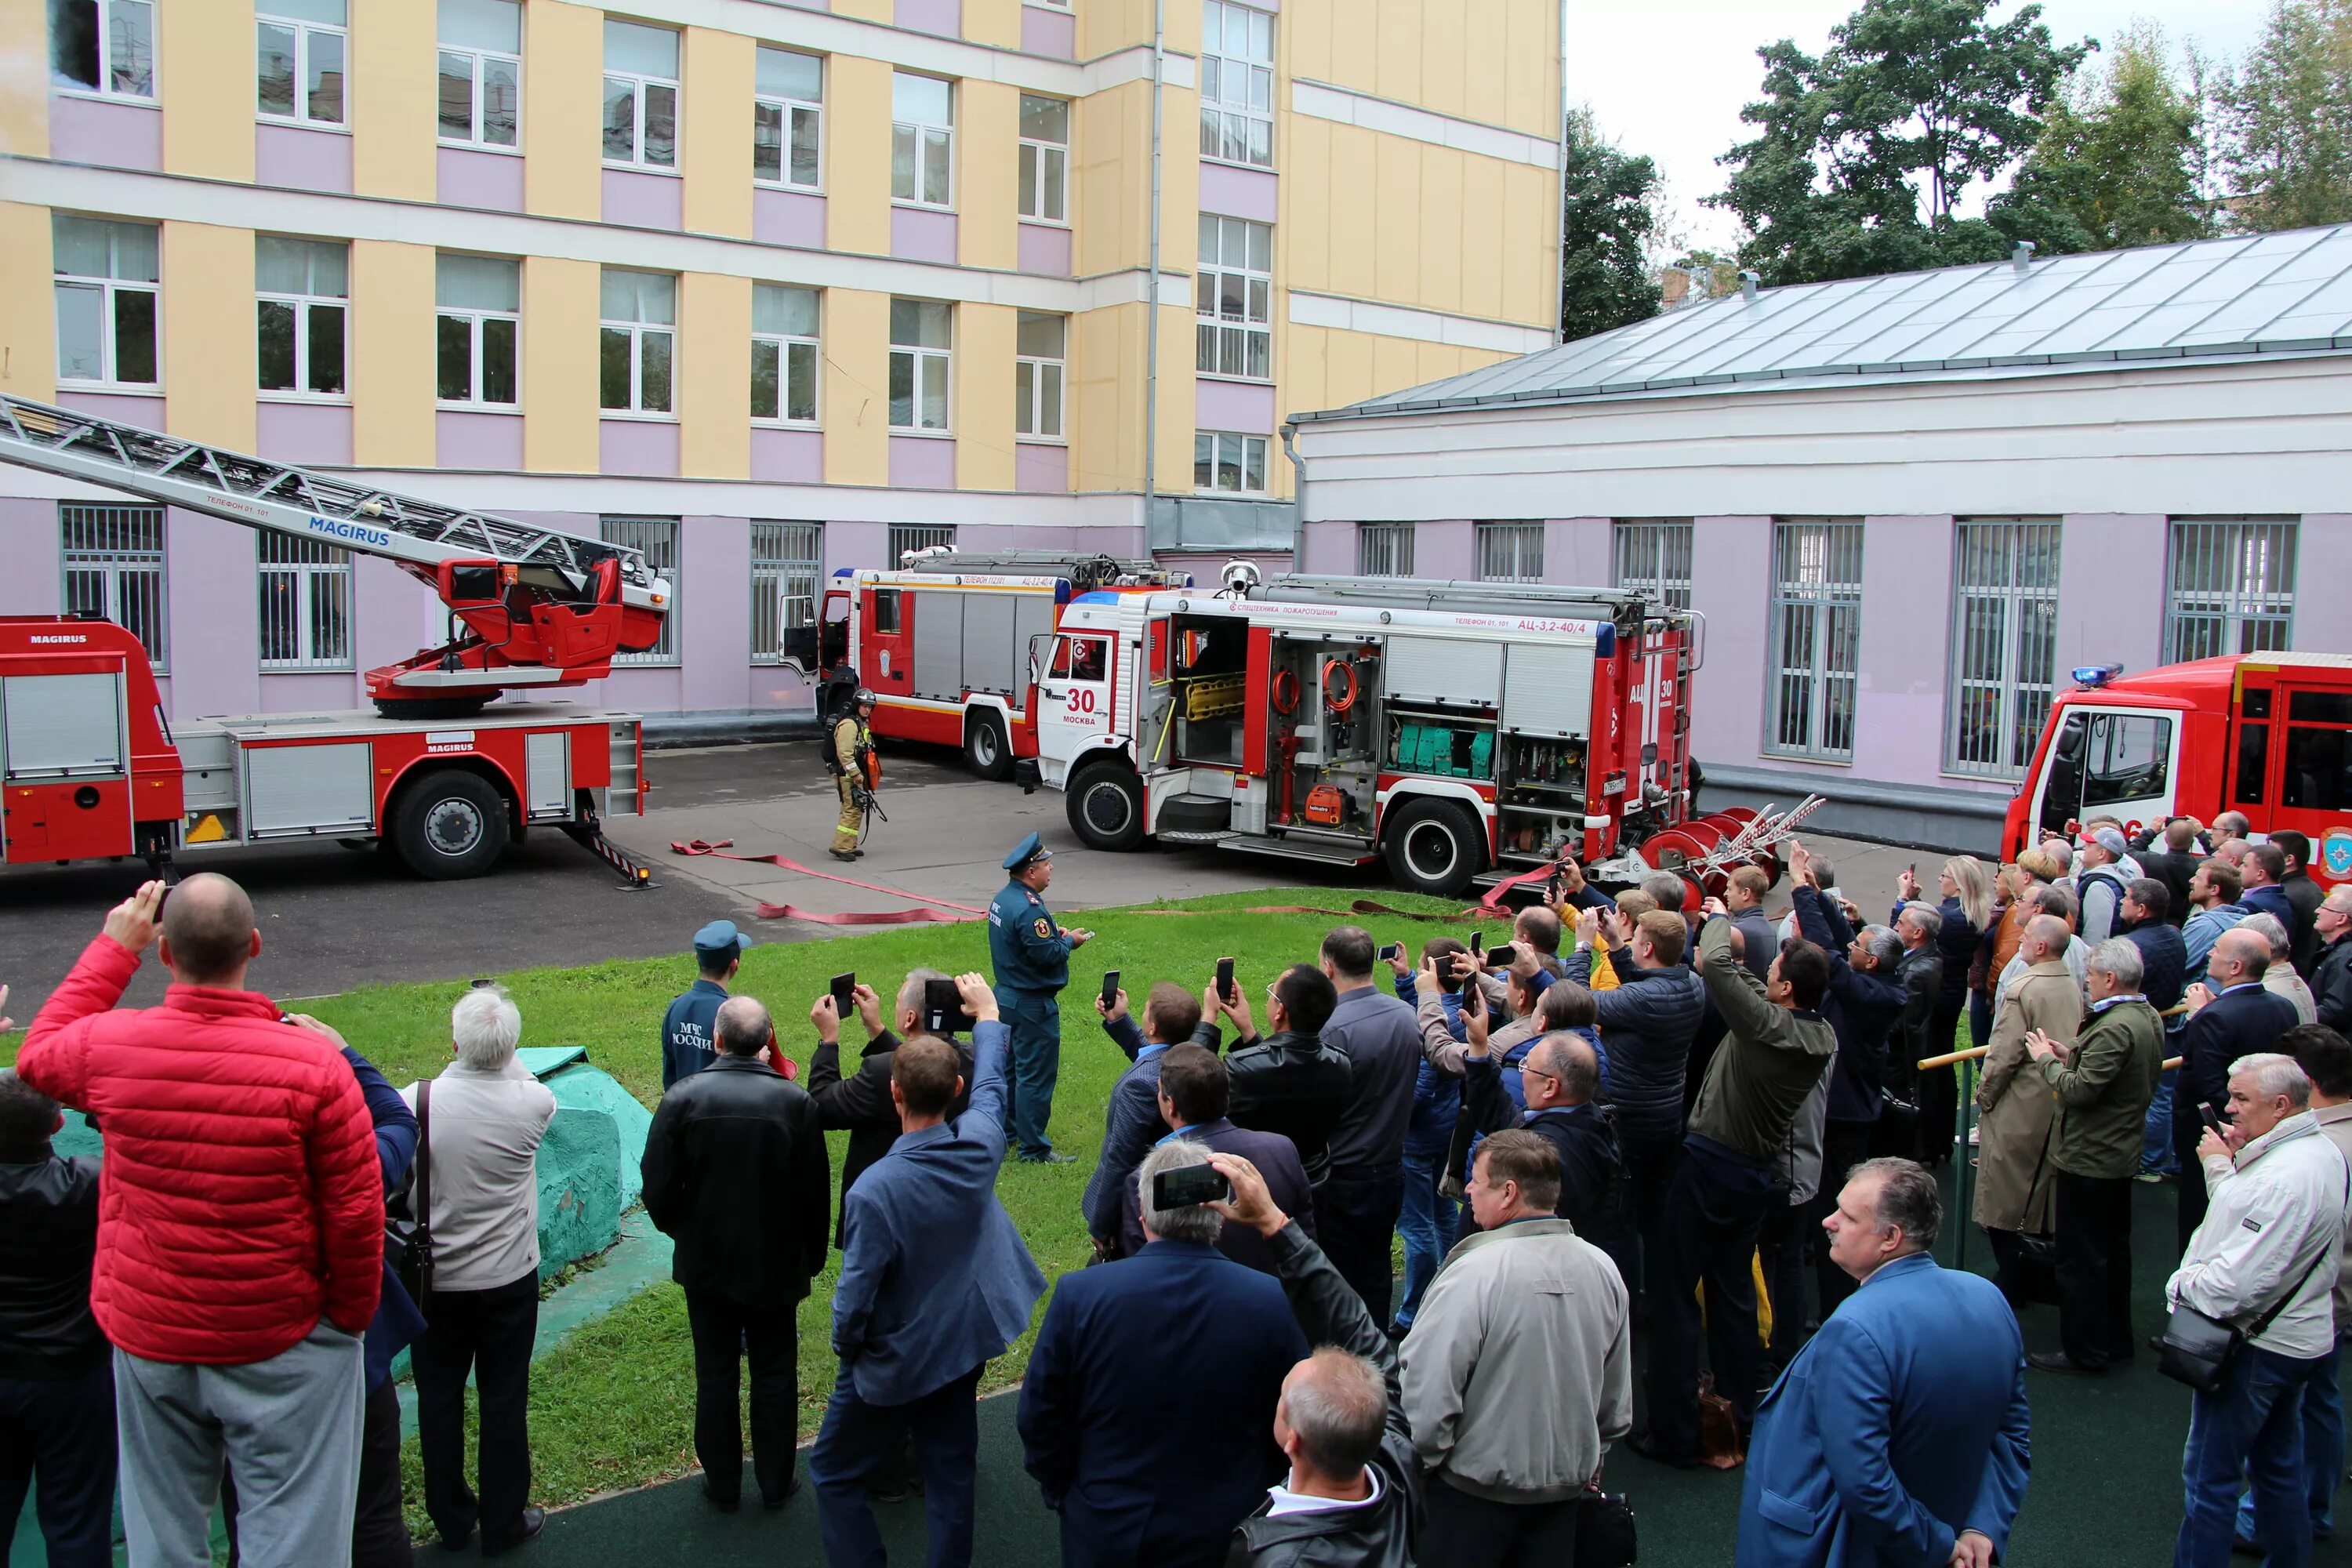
934 1282
1900 1433
1131 1122
687 1037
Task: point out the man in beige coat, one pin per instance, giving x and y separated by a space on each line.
2016 1109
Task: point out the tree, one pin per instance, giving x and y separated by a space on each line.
2116 163
2289 106
1913 99
1609 216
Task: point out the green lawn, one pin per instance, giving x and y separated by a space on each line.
614 1405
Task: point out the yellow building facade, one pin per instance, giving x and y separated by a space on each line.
767 288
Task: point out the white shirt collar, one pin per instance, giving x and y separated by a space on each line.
1284 1501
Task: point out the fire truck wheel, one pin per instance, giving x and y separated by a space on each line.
1106 807
448 826
1434 846
984 747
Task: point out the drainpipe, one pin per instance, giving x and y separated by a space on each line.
1151 283
1559 187
1297 499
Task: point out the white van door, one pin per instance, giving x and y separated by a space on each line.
1074 699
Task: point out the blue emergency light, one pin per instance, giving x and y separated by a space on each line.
2096 675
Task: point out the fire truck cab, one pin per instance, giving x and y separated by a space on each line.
1456 730
2268 734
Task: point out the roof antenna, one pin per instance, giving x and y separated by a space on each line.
2023 256
1747 282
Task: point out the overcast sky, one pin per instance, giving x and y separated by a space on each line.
1670 80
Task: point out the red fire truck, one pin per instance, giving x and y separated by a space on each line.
944 642
90 768
1462 730
2269 734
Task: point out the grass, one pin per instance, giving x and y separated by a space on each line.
613 1406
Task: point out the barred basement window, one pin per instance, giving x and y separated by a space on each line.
1816 639
113 561
908 537
2231 588
1653 559
1384 549
2004 645
1511 551
657 539
787 562
306 603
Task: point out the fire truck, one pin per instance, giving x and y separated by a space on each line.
2268 734
1463 731
91 767
943 643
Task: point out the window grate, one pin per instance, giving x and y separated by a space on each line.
2231 587
2004 645
113 563
787 562
1654 558
1816 637
1384 549
1511 551
907 537
306 603
657 539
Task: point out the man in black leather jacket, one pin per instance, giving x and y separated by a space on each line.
1290 1082
1327 1513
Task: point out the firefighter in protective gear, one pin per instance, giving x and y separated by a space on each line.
846 752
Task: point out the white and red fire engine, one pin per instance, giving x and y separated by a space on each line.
90 768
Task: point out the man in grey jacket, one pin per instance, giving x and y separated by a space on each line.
1518 1372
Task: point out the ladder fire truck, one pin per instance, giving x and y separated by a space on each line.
1464 731
943 643
90 768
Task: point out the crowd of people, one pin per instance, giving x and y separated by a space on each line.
1699 1124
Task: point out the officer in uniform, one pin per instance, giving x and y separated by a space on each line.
687 1045
1030 954
846 749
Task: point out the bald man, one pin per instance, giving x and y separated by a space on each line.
2015 1179
2230 1015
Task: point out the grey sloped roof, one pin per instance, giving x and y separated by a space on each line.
2270 293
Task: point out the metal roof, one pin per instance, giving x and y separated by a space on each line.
2273 293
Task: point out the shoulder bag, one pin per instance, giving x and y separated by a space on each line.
408 1242
2198 1351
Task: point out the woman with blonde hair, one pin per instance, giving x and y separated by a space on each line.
1967 909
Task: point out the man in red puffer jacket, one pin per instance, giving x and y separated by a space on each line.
240 1233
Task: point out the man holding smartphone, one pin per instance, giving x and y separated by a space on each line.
1030 951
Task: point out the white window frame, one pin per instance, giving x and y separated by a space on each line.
922 132
1653 557
789 111
2229 585
110 289
474 317
105 12
2003 670
108 566
659 540
478 57
1215 332
1220 448
787 582
305 587
305 33
638 83
1036 155
1220 110
638 331
918 357
304 306
1384 549
1031 398
1817 566
1511 551
784 343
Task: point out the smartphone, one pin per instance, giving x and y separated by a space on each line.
1391 950
1552 889
1500 957
1225 978
1477 941
1474 999
943 1011
1445 976
1188 1187
2211 1119
1110 989
845 995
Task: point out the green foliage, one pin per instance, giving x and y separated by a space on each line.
2289 112
2115 162
1913 98
1609 218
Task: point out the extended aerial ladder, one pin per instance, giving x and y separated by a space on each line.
539 608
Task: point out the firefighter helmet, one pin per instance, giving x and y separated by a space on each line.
864 699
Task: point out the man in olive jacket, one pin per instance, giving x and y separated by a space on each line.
2105 1083
2014 1176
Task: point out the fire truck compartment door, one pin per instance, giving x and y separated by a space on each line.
990 653
547 762
1450 670
939 644
62 726
292 790
1548 689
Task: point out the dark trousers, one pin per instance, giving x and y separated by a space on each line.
858 1439
725 1334
1714 1212
1465 1531
2094 1268
57 1436
1034 1067
1356 1213
1649 1162
2187 1132
1780 1244
1844 1145
490 1333
379 1529
1938 1089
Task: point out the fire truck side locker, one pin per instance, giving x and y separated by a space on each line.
65 762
